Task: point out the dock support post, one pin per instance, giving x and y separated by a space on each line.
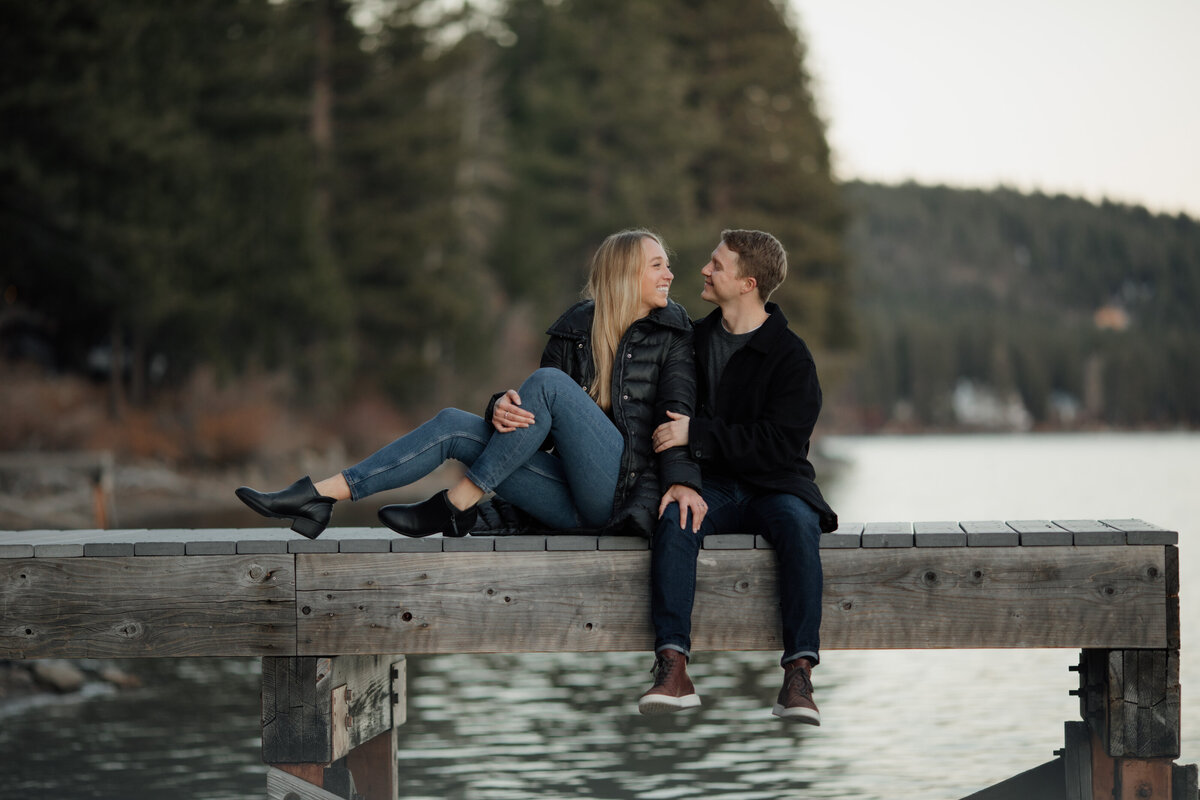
329 726
1126 745
1130 704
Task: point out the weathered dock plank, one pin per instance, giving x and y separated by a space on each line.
939 534
147 606
1076 597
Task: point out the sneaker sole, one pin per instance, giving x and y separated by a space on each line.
665 704
804 715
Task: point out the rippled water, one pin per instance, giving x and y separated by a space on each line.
894 724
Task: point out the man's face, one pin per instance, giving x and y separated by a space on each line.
721 281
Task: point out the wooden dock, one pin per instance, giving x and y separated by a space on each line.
332 619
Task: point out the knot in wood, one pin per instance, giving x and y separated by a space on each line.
130 629
929 577
742 586
1152 572
846 605
256 572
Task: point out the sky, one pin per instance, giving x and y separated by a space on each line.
1091 98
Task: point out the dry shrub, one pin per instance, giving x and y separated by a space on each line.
368 423
235 422
47 413
139 433
204 422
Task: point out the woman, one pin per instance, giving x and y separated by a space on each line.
572 447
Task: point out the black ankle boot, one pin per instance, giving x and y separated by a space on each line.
300 502
435 515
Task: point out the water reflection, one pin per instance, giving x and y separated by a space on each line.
567 726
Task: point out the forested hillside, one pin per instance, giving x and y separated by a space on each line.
1000 309
360 199
400 202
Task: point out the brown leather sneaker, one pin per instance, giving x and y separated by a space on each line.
795 701
672 689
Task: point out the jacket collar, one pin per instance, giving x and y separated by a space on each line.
762 340
576 321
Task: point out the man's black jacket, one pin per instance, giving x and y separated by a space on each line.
767 403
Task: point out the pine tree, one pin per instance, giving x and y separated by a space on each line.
764 162
597 129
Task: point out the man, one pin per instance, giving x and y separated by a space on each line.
757 401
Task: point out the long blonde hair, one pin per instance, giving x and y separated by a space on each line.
614 282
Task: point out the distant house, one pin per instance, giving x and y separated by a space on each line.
1111 318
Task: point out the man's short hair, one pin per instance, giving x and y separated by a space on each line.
760 256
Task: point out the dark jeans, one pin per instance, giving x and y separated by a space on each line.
787 522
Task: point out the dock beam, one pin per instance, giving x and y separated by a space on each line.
329 726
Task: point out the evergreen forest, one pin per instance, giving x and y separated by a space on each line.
399 196
997 309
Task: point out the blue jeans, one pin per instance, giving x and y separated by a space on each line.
570 488
787 522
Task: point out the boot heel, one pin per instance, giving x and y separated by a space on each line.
307 527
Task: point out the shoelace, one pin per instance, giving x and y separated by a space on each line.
661 669
799 674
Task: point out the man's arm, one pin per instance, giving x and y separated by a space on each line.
777 436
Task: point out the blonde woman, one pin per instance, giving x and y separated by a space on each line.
572 446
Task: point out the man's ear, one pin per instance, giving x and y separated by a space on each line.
749 284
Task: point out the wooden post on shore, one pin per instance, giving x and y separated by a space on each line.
329 726
104 511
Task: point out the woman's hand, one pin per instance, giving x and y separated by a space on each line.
507 414
671 434
689 500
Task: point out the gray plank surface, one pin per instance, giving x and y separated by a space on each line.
468 544
847 535
1140 532
887 534
229 541
1040 533
1089 532
520 544
990 533
406 544
729 541
622 543
938 534
571 543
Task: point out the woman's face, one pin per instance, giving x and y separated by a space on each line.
656 276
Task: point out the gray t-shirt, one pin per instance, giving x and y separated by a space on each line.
721 348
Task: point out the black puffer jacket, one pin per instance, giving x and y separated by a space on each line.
654 372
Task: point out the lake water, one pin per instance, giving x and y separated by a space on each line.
894 724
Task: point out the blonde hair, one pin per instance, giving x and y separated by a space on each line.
614 283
